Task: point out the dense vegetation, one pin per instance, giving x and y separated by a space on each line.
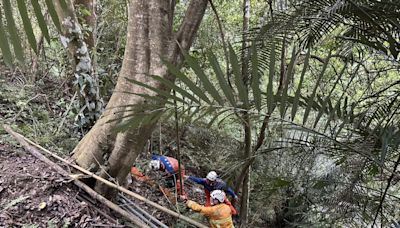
303 94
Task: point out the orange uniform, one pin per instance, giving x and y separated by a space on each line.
219 215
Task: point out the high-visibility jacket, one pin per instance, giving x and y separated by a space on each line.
219 215
218 184
171 166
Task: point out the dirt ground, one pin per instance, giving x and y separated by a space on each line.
33 195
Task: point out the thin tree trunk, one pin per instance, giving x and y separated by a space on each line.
90 103
244 203
87 10
150 39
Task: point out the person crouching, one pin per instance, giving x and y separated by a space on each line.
219 214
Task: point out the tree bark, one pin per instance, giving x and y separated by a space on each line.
90 104
244 203
150 38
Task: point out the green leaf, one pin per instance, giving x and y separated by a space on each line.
374 169
194 64
63 4
270 95
195 89
27 24
320 184
243 96
158 91
208 110
216 117
197 110
4 46
40 19
223 119
279 183
53 14
12 30
289 75
171 85
221 80
317 84
327 99
255 78
297 95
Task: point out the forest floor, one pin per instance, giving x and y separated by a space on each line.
34 195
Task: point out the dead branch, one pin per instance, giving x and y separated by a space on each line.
24 141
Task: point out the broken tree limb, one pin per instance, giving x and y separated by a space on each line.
108 183
152 218
128 207
22 140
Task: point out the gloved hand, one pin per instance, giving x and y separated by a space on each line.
189 203
183 198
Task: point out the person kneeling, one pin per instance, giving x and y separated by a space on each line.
219 214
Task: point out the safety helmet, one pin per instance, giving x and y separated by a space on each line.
212 176
218 195
155 164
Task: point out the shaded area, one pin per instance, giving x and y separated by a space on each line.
33 194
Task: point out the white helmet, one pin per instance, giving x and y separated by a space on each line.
155 164
218 195
212 176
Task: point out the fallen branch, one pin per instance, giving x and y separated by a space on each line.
22 140
145 213
129 208
106 182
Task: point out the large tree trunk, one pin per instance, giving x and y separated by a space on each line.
90 103
150 38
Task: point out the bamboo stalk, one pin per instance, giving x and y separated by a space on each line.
22 140
108 183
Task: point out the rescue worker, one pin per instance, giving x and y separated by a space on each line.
170 166
211 183
219 214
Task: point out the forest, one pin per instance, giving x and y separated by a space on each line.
115 113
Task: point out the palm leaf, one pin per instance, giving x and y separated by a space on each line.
221 80
4 46
158 91
12 30
178 89
53 14
193 87
289 75
40 19
27 24
194 64
317 84
242 91
325 102
255 78
297 95
270 92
